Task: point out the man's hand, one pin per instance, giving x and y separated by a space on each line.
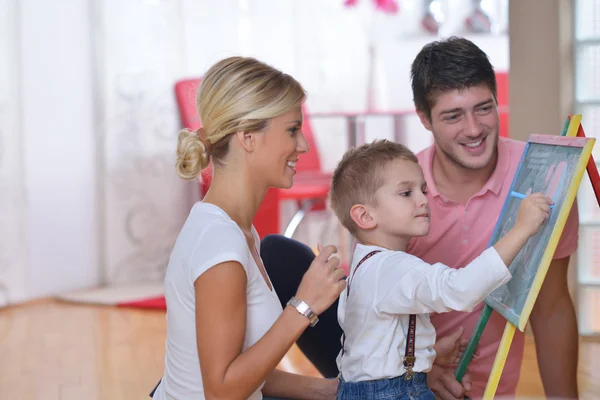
440 379
444 385
450 349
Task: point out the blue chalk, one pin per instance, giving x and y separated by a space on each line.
522 196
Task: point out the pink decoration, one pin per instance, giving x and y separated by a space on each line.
430 23
387 6
479 22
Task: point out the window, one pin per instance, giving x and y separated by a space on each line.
587 103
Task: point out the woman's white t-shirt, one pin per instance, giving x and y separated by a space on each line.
208 237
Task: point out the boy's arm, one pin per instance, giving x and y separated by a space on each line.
441 289
408 285
509 246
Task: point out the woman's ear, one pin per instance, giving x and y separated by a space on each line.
247 140
361 217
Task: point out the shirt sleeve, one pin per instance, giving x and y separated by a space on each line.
409 285
218 243
567 244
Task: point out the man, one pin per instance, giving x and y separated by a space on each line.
469 170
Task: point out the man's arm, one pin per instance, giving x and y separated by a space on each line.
554 327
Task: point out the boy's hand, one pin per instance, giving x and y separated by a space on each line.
533 212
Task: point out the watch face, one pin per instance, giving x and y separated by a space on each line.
303 308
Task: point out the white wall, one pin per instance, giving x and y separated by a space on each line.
57 127
88 120
324 45
48 224
139 56
13 247
321 43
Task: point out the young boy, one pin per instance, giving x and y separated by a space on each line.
379 194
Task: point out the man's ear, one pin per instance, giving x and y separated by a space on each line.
362 218
247 140
425 120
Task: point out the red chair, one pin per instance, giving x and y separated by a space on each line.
502 87
311 185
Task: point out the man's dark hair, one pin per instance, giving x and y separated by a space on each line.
453 63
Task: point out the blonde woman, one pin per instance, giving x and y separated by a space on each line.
226 328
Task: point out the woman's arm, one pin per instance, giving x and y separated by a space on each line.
293 386
227 372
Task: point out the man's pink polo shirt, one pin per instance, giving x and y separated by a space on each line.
461 232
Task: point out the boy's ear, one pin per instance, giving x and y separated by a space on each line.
425 120
362 218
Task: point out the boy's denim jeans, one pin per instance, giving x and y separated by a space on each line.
394 388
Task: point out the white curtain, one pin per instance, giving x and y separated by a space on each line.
139 57
13 253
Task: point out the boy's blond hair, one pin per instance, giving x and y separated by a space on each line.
359 175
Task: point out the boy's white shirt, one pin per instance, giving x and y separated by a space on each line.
390 286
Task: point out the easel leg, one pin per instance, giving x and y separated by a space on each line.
592 170
501 355
577 130
473 342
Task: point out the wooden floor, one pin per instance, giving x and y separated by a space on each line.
51 350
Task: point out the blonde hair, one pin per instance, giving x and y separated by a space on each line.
360 174
237 94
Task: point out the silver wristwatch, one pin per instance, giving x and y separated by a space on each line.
304 309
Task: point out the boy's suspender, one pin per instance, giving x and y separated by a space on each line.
409 353
365 258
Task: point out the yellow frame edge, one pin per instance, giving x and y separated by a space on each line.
574 125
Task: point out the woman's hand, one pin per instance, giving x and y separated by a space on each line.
323 282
